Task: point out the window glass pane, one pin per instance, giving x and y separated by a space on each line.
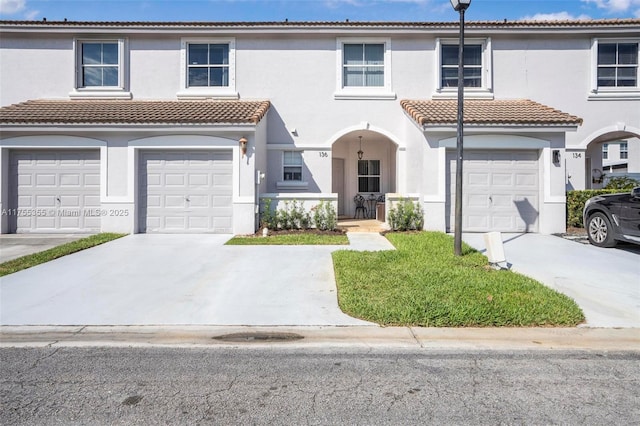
352 54
449 55
374 77
363 184
198 54
110 76
472 55
92 76
373 184
627 76
353 77
628 53
606 77
450 77
374 167
91 53
198 77
292 158
472 77
374 54
606 54
218 54
363 167
110 53
293 173
218 76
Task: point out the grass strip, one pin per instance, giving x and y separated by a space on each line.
34 259
290 239
422 283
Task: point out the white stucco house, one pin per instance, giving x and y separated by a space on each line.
187 126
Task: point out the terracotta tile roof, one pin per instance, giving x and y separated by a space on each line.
326 24
487 112
134 112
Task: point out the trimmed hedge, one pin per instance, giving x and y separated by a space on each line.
575 204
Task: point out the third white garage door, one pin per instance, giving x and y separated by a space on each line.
500 191
185 191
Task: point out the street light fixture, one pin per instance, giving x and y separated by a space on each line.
459 6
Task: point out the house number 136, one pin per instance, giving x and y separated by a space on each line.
323 154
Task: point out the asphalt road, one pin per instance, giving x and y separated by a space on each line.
316 386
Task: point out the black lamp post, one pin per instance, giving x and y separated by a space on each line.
459 6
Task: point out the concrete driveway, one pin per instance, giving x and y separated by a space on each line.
604 282
177 279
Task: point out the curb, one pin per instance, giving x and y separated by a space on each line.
358 337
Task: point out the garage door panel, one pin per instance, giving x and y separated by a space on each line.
494 183
54 180
182 189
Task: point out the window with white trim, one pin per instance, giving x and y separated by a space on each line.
615 69
477 68
368 175
363 68
617 64
605 151
207 68
624 150
292 166
101 68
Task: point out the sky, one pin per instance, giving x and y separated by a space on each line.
312 10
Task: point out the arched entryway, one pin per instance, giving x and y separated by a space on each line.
371 174
612 153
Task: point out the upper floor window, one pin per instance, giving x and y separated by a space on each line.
364 68
472 65
476 68
101 70
605 151
100 64
617 64
292 166
208 68
208 65
615 69
363 65
624 151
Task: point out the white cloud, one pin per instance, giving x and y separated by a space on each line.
616 6
10 7
31 15
559 16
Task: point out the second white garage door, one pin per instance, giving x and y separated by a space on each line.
185 191
500 191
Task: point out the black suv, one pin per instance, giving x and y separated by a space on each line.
612 218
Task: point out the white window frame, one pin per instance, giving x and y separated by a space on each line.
216 92
101 92
611 93
292 184
378 92
485 91
624 150
605 151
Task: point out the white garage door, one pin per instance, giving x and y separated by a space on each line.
54 191
500 191
185 191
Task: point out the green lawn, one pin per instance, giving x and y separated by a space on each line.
291 239
423 284
30 260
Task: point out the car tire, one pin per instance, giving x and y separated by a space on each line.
600 231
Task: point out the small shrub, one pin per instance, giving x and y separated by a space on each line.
292 216
575 204
622 183
325 217
269 218
405 216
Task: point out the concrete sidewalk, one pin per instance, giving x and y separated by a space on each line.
604 282
13 246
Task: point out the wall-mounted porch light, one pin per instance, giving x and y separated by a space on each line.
556 157
243 145
360 152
